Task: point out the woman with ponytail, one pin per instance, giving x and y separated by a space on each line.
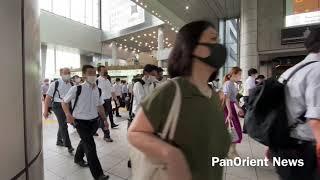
231 105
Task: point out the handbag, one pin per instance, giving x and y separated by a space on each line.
147 168
232 131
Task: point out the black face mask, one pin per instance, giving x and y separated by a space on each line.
217 57
105 74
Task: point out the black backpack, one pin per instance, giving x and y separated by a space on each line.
56 85
79 89
266 118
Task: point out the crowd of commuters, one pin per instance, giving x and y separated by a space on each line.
204 128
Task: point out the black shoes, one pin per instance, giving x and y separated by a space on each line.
82 163
103 177
118 115
108 139
70 149
60 143
114 125
129 164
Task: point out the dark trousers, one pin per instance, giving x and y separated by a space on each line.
108 108
86 129
118 105
244 108
63 134
305 151
105 129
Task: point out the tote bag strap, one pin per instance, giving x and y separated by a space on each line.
170 126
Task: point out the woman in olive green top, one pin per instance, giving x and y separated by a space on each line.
201 133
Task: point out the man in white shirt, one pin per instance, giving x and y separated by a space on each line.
144 87
107 93
86 110
57 91
303 109
118 91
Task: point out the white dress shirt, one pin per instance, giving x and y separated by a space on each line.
117 89
303 96
88 102
249 85
139 94
106 87
62 90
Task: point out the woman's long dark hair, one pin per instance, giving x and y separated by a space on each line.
180 60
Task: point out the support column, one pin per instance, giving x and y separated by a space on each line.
43 60
160 45
248 43
115 61
21 122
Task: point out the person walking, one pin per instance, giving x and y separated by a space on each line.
87 109
118 100
195 57
231 106
57 91
302 94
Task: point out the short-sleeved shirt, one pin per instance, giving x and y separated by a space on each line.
44 88
229 88
249 85
62 90
117 89
201 132
88 101
303 96
106 87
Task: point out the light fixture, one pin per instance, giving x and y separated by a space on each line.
172 29
136 41
152 11
151 42
176 31
150 34
138 50
145 34
141 3
154 36
153 32
145 6
138 36
137 0
167 39
167 43
187 7
125 46
125 39
157 14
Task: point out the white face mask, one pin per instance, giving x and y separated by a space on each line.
77 80
66 77
91 79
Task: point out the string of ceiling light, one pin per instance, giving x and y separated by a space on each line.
152 44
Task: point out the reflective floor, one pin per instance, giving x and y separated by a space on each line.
58 163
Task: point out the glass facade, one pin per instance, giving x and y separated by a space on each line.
229 33
120 14
83 11
59 57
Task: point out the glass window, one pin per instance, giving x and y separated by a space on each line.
89 12
66 57
78 10
50 63
60 7
46 5
96 14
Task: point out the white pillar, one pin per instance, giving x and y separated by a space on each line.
43 60
21 122
248 43
115 61
160 45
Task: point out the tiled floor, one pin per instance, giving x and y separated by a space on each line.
58 163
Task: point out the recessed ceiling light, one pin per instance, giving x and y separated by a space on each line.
176 31
137 0
157 14
172 29
136 41
145 34
187 7
167 39
125 46
151 42
125 39
154 36
138 36
152 11
145 6
153 32
167 43
141 3
150 34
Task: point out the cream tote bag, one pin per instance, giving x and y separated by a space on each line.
146 168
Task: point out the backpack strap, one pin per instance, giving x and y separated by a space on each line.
285 81
71 83
79 88
100 92
56 85
97 82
